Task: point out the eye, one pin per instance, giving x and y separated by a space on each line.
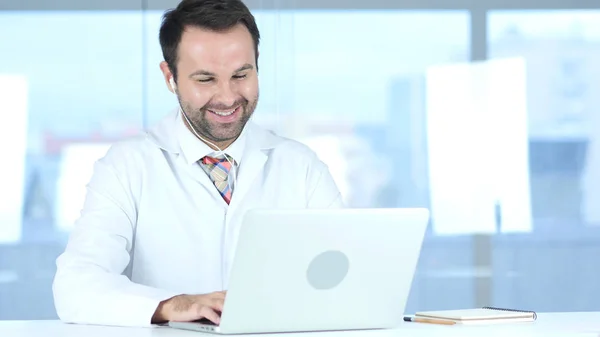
239 77
204 80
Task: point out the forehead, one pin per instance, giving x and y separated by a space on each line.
215 50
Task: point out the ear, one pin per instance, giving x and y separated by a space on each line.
164 67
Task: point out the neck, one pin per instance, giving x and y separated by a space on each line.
222 145
211 143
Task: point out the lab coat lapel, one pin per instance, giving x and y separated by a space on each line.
164 135
254 158
254 161
258 143
204 180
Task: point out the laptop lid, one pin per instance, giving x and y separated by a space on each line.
315 270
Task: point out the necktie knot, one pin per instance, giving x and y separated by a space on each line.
218 169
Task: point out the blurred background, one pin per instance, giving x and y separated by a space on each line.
484 111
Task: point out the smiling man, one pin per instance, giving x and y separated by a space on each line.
156 237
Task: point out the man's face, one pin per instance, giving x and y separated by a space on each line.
217 82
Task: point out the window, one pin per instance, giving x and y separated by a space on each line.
71 84
561 52
345 91
352 85
355 93
358 86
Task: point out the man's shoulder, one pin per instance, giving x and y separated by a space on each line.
281 146
147 143
130 150
132 144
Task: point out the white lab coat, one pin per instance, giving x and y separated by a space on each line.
152 227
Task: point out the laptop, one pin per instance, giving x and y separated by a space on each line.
320 270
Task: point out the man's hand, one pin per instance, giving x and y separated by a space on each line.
187 308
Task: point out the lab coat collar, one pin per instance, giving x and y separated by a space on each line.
257 141
165 135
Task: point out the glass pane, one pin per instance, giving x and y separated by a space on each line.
358 91
538 269
356 94
70 84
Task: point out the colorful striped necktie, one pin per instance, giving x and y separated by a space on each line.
218 171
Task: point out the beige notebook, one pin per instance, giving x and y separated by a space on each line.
486 315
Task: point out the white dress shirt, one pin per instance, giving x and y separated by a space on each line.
154 225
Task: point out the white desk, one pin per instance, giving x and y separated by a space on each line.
550 324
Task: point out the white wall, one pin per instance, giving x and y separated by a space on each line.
13 139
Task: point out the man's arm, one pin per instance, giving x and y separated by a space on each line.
322 189
89 286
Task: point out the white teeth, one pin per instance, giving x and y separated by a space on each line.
224 113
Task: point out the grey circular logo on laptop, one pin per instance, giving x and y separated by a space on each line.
327 270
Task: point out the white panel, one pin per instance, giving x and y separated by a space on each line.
478 147
13 137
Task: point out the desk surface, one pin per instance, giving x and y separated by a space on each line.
548 324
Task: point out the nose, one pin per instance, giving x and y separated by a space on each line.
226 95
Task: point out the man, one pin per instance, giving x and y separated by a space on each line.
157 234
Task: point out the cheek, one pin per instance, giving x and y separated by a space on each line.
199 97
249 89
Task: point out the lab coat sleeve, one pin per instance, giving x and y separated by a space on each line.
322 189
90 286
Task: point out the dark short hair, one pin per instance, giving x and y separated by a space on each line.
215 15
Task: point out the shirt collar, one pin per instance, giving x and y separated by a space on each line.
194 149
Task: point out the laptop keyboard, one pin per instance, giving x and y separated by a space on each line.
205 321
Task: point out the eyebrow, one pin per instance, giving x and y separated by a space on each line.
246 66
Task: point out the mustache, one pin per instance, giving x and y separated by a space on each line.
219 106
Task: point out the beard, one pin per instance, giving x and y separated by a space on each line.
219 132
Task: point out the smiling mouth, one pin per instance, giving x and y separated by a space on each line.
224 113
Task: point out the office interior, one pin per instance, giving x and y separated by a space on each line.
484 111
